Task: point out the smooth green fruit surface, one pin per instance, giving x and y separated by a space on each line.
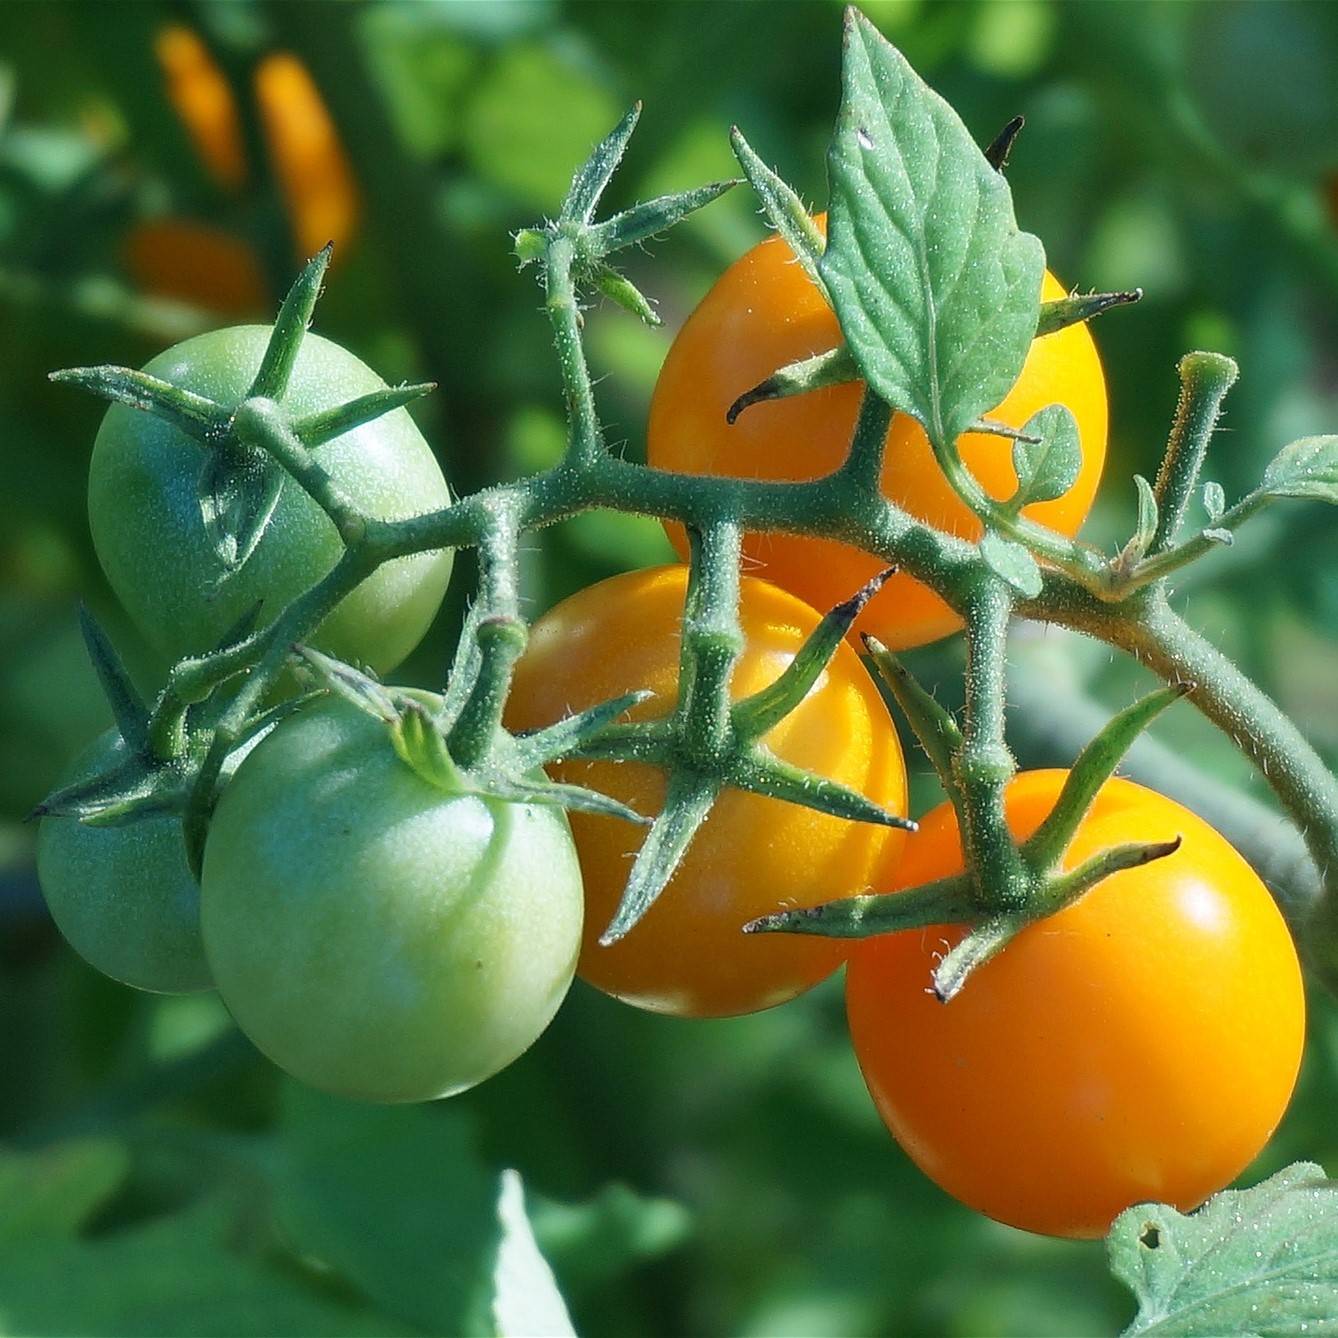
144 510
377 937
124 896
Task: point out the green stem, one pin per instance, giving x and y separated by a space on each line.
712 642
1205 379
864 464
1162 564
586 438
296 622
983 766
261 424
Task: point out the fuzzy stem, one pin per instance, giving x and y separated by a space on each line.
983 765
1205 379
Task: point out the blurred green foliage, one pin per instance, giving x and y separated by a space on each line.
709 1178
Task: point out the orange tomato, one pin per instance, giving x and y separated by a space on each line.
204 104
1141 1044
763 313
753 854
307 157
194 262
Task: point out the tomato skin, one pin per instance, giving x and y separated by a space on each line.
145 520
124 896
753 854
763 313
1142 1044
198 263
374 936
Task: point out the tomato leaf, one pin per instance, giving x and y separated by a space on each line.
52 1193
592 1242
1256 1261
1046 467
237 500
936 288
1012 562
525 1300
1306 468
178 1275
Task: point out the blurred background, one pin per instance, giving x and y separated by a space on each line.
163 168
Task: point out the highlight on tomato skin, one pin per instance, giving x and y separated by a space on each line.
1140 1045
763 313
753 854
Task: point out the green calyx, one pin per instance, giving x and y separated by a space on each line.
968 898
253 446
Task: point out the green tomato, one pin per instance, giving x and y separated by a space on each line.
373 935
124 896
144 511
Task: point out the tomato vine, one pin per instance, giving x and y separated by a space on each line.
925 344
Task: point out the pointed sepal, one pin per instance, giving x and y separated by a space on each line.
1066 311
933 725
783 208
754 716
833 368
653 217
688 800
761 772
576 732
1092 769
597 171
290 327
199 418
317 428
573 798
946 901
355 687
237 494
127 707
620 289
996 154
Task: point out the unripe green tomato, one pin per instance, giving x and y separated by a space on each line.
144 513
124 896
373 935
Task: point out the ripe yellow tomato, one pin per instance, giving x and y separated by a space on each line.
753 854
197 263
307 157
202 263
202 97
763 313
1141 1044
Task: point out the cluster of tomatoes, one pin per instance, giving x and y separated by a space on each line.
385 939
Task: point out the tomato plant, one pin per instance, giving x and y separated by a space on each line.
1139 1045
1084 1001
687 956
376 936
146 517
124 896
765 312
